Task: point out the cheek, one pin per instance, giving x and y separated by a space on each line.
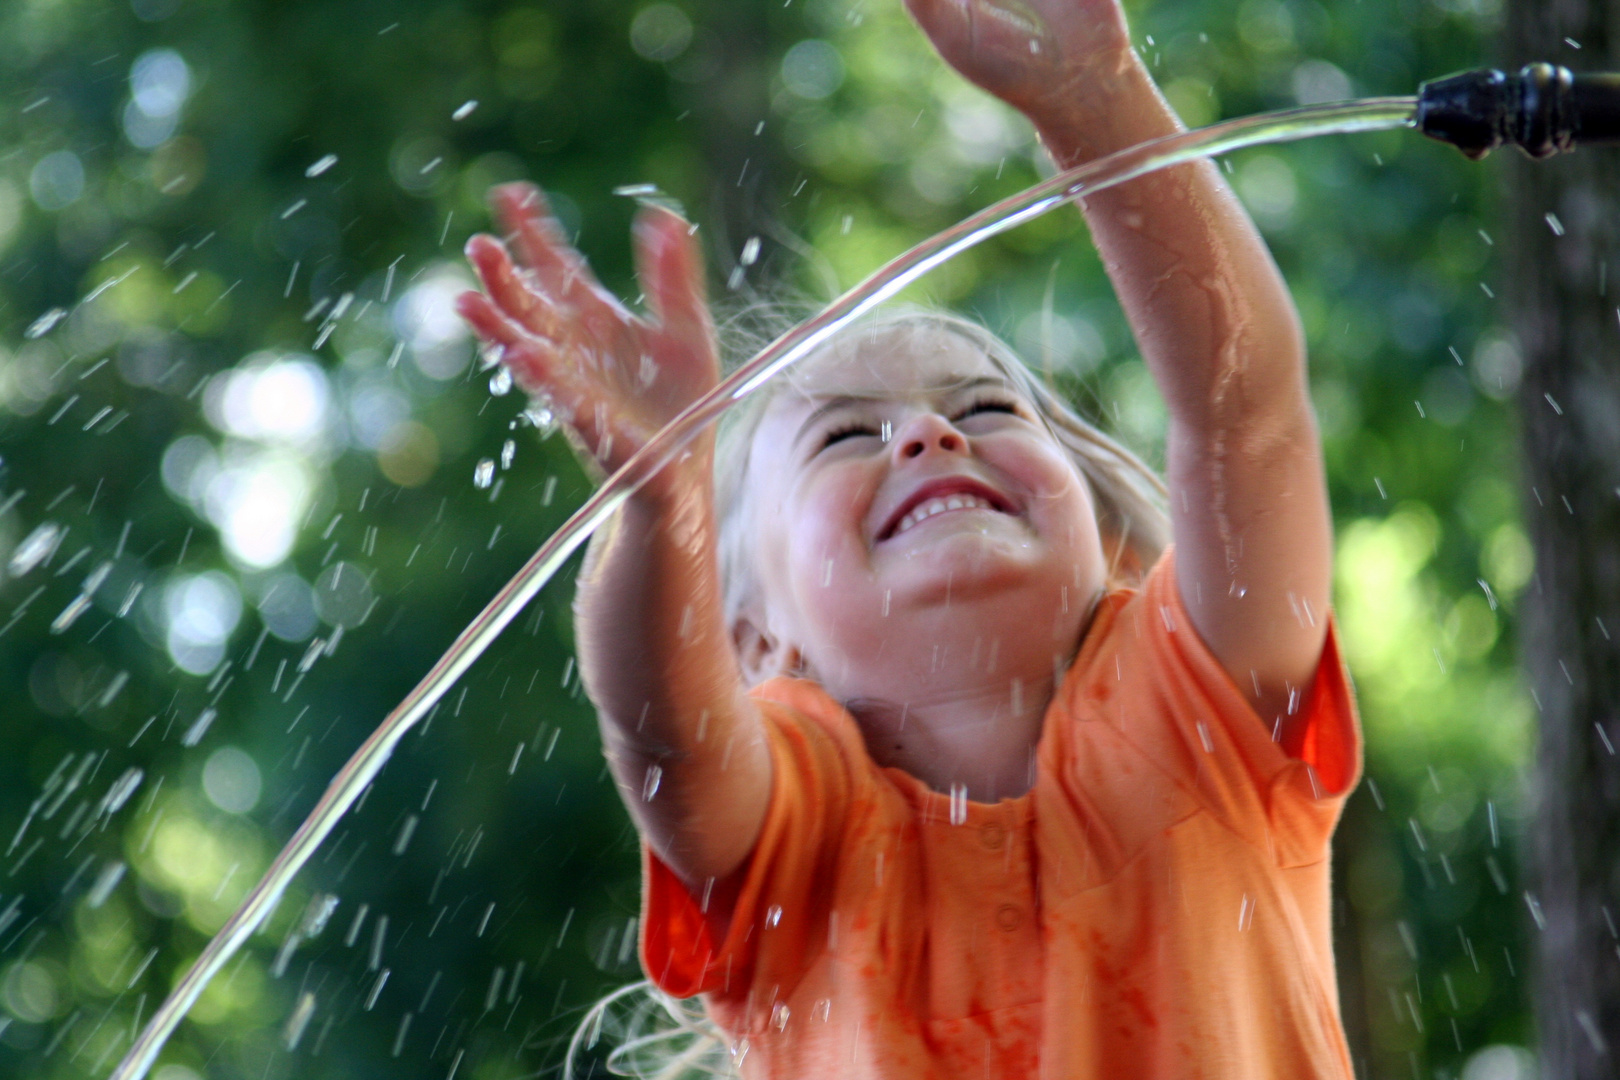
1061 499
1042 471
825 550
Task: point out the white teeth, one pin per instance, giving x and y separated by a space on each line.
939 506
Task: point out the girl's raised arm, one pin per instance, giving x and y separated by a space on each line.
685 742
1213 318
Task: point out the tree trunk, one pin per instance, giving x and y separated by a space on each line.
1564 238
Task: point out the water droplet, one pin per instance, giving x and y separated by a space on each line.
779 1016
35 549
887 430
773 915
484 474
122 789
311 654
195 733
299 1020
491 356
97 576
959 803
500 383
649 786
321 166
508 452
316 914
750 251
70 614
464 110
542 416
650 195
45 323
106 882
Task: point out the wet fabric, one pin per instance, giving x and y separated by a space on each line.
1155 906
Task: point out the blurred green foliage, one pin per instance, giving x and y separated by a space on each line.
236 414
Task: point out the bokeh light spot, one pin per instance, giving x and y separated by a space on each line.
57 180
202 611
30 992
812 70
231 780
408 454
660 32
343 595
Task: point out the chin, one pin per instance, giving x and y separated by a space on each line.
970 566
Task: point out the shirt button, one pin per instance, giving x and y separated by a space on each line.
1009 917
992 836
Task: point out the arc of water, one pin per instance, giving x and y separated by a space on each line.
1372 114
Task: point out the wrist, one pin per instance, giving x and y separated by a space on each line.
1105 108
681 492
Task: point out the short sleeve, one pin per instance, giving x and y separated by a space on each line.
1167 694
781 913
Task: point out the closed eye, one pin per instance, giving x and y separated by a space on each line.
988 405
852 430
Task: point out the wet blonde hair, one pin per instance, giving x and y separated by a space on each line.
1128 494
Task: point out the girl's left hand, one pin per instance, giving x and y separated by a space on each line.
1045 58
615 377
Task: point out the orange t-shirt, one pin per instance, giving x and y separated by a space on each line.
1156 906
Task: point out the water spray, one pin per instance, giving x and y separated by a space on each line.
1543 110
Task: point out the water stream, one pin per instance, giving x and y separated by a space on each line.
1372 114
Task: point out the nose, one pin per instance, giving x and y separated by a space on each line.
927 433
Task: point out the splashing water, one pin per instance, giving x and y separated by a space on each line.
35 549
1373 114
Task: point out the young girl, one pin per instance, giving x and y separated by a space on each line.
946 766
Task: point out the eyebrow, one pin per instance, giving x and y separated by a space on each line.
845 401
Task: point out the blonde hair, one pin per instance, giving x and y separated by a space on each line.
655 1036
1129 495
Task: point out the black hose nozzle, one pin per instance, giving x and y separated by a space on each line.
1543 110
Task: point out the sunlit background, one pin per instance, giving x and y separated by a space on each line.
253 481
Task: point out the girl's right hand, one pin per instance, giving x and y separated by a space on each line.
614 378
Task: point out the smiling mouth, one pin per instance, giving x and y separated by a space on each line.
935 507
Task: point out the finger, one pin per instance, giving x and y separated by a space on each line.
604 431
669 264
523 211
946 23
512 293
535 361
543 247
541 244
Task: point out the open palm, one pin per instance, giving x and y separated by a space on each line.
613 377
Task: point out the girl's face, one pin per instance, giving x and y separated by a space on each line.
902 477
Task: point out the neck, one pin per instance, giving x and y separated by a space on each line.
957 698
979 739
